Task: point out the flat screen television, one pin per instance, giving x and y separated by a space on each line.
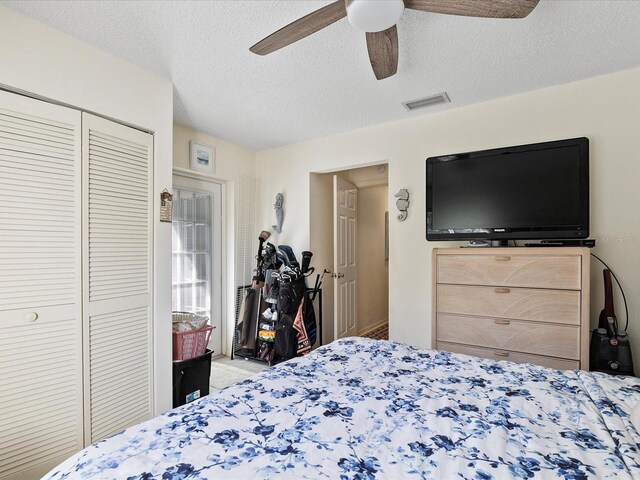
537 191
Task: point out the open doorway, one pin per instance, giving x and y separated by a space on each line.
360 305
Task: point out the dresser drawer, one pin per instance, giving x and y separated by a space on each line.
550 362
516 335
536 271
553 306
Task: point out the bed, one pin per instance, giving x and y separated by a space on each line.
365 409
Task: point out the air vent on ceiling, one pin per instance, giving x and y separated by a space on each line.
426 101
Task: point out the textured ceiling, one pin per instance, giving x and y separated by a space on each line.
324 84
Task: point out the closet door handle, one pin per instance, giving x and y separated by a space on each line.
502 290
501 354
502 321
502 258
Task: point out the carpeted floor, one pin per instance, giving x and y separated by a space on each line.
380 333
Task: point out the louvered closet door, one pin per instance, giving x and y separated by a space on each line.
40 285
117 291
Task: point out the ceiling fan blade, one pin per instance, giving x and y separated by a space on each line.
301 28
383 52
475 8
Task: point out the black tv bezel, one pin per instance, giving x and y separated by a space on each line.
532 233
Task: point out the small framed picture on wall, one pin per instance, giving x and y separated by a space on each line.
202 158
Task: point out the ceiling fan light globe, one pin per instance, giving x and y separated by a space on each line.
374 15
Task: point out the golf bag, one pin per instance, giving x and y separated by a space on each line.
286 339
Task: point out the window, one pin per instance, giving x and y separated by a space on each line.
192 252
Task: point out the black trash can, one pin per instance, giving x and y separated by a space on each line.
191 379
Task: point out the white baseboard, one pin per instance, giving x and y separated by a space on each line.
374 326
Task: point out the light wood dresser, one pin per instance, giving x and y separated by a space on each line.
518 304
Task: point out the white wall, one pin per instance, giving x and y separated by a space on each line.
231 162
321 244
373 269
606 109
39 60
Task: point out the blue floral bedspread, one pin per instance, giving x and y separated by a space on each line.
365 409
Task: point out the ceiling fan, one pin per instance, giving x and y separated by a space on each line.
378 19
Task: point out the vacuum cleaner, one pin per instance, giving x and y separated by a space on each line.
610 350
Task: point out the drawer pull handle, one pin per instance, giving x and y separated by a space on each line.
502 290
31 317
503 258
500 321
501 354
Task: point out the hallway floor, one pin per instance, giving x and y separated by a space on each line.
380 333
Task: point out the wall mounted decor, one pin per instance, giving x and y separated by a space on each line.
166 202
402 203
202 158
279 213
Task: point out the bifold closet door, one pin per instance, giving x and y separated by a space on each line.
117 282
41 405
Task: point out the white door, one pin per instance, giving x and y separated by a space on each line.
117 175
40 286
345 216
197 252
